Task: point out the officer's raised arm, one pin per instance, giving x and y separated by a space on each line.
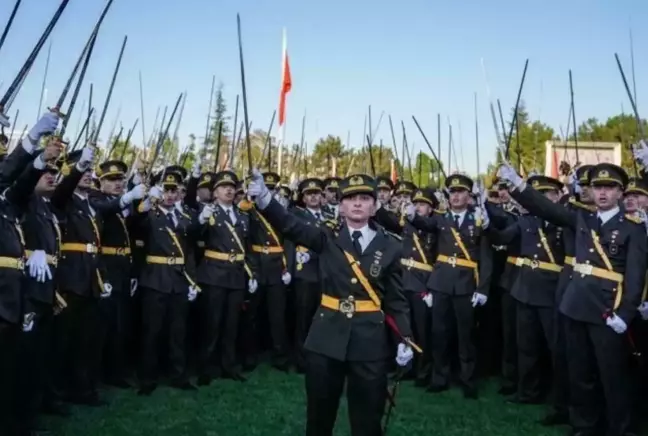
288 224
536 203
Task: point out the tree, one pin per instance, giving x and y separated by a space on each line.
219 115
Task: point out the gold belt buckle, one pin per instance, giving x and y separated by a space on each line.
266 249
347 307
534 264
20 264
409 262
585 269
90 248
232 257
121 251
519 261
452 260
171 260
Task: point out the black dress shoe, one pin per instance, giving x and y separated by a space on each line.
555 418
435 389
204 380
507 390
55 408
234 375
470 392
147 389
184 385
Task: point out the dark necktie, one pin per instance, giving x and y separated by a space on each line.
456 221
356 235
169 217
317 216
600 223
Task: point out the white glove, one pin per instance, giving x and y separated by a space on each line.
640 152
643 310
302 257
137 193
482 215
283 201
428 299
507 173
258 190
133 288
45 126
253 285
137 179
410 211
155 192
87 156
38 267
286 278
206 213
107 291
193 293
478 299
28 322
616 324
404 354
195 170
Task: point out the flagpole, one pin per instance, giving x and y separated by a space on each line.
282 130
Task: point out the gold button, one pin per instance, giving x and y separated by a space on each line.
354 280
591 250
539 245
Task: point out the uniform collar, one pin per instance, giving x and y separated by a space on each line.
605 216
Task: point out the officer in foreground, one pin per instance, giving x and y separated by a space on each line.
361 295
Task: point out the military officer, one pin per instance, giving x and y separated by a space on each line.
273 277
460 280
418 257
166 283
348 338
331 192
385 188
116 327
540 261
224 275
403 191
601 299
307 278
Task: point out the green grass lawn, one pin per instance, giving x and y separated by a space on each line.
273 404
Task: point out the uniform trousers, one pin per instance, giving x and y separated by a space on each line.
535 329
509 342
421 319
161 309
37 360
560 398
307 300
78 346
9 334
445 311
598 358
273 298
115 331
366 394
219 312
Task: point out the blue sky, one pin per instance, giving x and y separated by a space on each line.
412 57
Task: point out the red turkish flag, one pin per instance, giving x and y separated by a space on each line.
286 83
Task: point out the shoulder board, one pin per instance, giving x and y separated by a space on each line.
633 218
393 235
439 211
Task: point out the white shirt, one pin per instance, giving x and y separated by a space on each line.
172 212
229 211
605 216
461 215
367 236
316 213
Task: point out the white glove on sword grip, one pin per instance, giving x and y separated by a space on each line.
404 354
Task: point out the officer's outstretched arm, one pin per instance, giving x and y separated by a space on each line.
634 278
427 224
293 228
388 220
540 206
504 236
63 192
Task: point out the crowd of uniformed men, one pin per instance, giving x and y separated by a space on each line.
113 277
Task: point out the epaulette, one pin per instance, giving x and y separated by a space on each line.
393 235
635 219
574 202
439 211
331 223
